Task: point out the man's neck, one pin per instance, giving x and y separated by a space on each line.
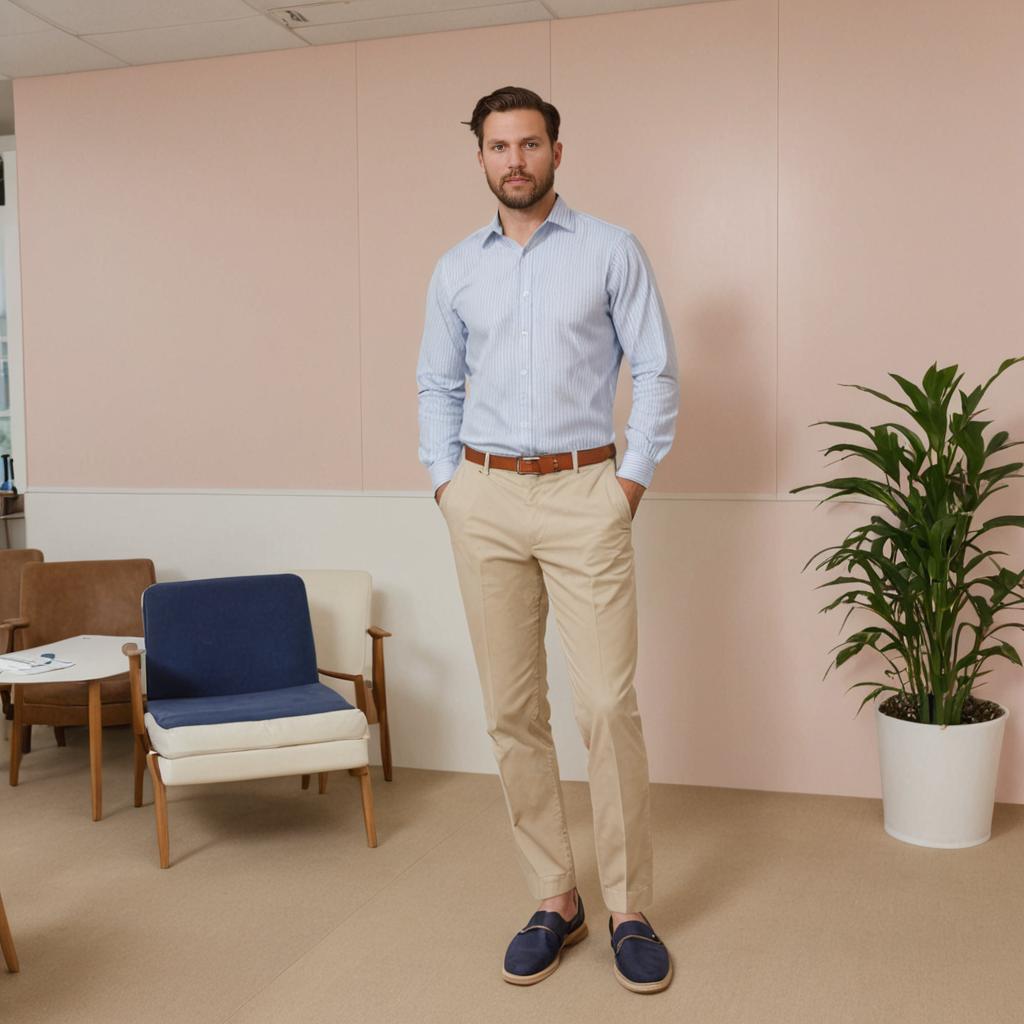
519 225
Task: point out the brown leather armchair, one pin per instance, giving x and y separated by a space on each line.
12 561
66 599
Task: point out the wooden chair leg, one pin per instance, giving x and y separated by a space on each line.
305 782
163 838
385 739
96 748
367 793
7 942
17 736
140 768
58 735
26 739
322 780
380 698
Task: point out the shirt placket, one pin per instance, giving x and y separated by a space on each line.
524 396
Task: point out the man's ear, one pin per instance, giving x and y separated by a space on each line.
558 154
480 158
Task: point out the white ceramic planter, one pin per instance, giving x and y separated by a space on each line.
939 784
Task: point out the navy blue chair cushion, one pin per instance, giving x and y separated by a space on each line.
214 638
315 699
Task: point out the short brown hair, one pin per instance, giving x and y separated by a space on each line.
512 97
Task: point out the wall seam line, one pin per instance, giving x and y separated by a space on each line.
359 280
778 222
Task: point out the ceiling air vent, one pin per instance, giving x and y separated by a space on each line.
289 17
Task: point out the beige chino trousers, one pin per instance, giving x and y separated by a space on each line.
567 536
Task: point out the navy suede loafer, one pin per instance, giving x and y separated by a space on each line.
535 951
642 963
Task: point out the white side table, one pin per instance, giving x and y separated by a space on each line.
95 658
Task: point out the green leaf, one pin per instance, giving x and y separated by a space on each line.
881 395
844 656
996 442
843 425
1010 652
997 523
913 392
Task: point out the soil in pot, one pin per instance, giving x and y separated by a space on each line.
900 706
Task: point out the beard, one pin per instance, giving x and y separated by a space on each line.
524 197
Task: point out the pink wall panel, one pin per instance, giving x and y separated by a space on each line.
420 192
189 262
733 650
732 653
901 205
670 130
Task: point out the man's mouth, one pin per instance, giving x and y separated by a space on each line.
516 181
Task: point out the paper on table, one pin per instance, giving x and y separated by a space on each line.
28 665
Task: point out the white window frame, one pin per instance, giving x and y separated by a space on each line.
12 271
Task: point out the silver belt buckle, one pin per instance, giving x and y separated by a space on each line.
525 458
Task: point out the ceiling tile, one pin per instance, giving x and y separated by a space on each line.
14 21
91 17
371 10
190 42
583 8
50 53
438 21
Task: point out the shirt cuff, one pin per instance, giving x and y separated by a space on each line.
638 468
441 472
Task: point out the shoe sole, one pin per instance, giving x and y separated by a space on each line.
645 987
531 979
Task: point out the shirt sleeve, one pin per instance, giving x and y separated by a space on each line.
441 380
645 335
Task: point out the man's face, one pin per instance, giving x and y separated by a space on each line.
518 158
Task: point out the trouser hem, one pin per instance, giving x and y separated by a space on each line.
628 901
553 885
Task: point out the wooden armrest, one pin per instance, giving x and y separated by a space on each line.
339 675
360 686
377 633
135 653
7 631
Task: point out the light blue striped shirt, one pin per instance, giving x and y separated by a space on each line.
539 331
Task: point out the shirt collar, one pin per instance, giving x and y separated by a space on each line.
561 215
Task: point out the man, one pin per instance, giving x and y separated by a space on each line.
538 309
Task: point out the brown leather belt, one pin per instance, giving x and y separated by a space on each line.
542 463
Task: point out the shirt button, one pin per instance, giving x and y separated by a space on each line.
525 294
522 373
524 334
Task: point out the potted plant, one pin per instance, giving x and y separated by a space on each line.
939 603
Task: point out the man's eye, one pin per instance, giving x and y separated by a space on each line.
497 147
532 145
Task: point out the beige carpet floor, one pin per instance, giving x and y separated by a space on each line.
776 907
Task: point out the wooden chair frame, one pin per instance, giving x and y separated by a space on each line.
7 942
377 685
145 755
